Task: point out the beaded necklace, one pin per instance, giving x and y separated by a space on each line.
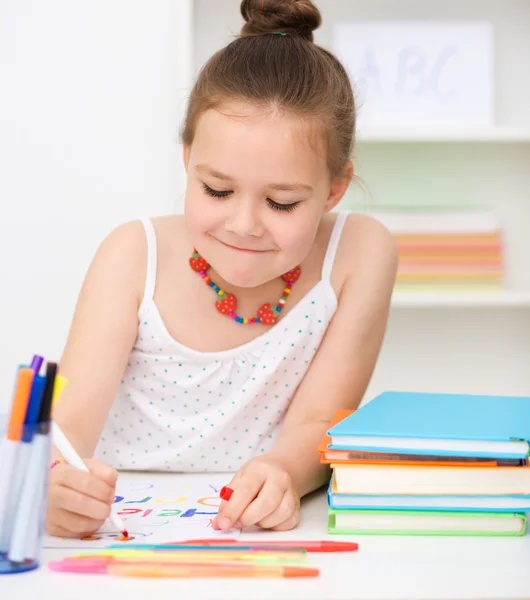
226 304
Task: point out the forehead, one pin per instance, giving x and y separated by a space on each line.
248 139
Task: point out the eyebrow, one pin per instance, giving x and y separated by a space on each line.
284 187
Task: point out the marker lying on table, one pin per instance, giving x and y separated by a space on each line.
220 548
211 571
72 458
189 570
307 545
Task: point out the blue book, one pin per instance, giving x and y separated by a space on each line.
438 424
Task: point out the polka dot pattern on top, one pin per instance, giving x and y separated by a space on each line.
178 409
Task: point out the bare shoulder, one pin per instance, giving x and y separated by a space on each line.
362 232
124 250
367 252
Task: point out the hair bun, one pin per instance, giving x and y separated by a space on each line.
300 17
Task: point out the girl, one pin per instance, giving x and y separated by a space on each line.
225 339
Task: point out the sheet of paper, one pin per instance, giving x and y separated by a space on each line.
158 509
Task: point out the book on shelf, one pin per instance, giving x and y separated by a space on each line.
446 247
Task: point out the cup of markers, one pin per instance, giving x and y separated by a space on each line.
25 450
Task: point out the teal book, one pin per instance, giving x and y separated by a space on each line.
438 424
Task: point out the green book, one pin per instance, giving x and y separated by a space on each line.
410 522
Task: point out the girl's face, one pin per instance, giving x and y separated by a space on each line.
257 189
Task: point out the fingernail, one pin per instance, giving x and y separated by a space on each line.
238 525
225 523
112 497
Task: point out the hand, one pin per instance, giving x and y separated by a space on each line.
79 502
264 495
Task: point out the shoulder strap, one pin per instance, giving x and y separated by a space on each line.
150 275
333 244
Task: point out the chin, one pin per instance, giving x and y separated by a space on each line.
242 278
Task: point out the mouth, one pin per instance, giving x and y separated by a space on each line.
244 250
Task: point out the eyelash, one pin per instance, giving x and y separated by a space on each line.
275 205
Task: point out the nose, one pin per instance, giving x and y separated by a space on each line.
244 220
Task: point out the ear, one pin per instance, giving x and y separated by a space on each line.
186 157
338 187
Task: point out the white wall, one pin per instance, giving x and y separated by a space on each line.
91 98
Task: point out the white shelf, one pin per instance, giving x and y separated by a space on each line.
446 134
494 299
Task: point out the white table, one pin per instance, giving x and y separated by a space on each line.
384 567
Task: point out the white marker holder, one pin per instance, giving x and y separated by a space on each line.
24 469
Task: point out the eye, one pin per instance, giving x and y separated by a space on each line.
282 207
216 193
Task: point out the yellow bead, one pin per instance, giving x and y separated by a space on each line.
220 292
286 291
245 321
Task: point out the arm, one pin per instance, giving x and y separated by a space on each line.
102 334
267 490
343 366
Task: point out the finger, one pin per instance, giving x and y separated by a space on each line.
286 508
84 483
266 502
103 471
291 523
73 501
53 526
222 506
245 490
76 525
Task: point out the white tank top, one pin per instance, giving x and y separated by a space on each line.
178 409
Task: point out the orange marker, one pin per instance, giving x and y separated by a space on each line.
20 403
212 571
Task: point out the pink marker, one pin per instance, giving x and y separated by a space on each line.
87 567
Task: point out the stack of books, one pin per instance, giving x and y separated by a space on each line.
430 464
446 249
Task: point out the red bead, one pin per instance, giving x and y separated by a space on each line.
199 264
227 304
292 275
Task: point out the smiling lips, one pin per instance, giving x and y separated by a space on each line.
249 250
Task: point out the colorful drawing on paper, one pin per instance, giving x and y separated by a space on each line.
163 510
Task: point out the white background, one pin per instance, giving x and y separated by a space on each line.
91 99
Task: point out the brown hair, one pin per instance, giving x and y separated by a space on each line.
275 64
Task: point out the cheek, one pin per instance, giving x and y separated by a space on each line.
296 236
198 212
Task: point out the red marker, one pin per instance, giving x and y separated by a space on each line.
226 493
307 545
